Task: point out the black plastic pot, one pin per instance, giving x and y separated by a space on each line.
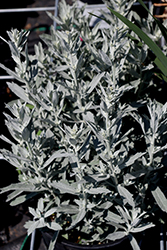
63 244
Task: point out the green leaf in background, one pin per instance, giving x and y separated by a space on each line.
160 66
160 25
153 46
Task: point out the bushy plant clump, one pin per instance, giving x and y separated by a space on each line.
88 133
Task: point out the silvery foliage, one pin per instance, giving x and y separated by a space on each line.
67 124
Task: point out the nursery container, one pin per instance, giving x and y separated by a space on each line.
63 244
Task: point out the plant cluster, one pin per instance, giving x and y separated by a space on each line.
88 134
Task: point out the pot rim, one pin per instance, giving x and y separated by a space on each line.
96 246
